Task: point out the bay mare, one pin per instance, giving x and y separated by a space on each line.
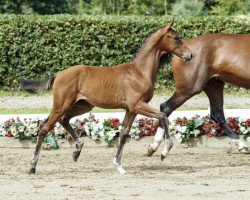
217 58
130 86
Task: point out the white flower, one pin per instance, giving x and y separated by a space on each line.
243 130
95 128
100 125
242 120
26 133
87 131
181 129
111 134
13 130
137 137
178 137
101 133
94 137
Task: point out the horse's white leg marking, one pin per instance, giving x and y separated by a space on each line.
157 138
242 147
119 167
168 145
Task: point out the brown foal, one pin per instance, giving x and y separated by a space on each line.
217 58
129 86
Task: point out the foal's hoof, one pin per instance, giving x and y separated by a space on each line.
150 150
244 150
76 155
32 171
162 157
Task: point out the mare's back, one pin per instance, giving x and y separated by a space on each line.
214 47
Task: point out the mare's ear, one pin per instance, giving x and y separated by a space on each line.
166 28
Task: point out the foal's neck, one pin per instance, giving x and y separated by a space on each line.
148 63
148 58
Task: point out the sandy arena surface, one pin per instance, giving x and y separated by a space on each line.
193 173
198 101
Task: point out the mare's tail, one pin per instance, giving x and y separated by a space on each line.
36 85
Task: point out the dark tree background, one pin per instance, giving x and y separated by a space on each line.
126 7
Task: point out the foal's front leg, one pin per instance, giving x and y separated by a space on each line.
127 123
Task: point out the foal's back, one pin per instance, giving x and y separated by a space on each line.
100 86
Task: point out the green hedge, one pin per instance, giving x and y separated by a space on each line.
39 46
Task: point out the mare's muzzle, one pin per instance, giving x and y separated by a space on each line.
186 56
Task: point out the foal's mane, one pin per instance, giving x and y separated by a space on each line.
142 44
164 59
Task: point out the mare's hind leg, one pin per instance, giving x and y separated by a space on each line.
44 128
214 91
126 125
79 108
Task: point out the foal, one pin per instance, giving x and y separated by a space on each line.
78 89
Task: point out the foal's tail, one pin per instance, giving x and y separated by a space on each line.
36 85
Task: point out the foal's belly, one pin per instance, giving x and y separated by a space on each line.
108 101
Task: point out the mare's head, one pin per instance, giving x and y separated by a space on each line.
171 43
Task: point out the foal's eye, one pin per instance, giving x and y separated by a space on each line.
176 38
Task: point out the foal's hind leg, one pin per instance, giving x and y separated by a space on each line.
45 127
214 91
144 109
127 123
79 108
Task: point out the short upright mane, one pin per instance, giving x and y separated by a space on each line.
145 40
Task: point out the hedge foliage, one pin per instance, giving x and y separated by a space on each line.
39 46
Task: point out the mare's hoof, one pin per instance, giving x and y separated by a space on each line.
244 150
150 150
76 155
32 171
162 157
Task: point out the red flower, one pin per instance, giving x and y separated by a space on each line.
9 134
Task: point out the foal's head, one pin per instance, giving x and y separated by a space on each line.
171 43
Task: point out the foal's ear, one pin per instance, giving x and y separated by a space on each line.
166 28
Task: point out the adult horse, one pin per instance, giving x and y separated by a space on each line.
129 86
217 58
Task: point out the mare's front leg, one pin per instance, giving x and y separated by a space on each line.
214 91
177 99
144 109
126 125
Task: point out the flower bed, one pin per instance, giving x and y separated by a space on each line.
91 127
187 128
182 128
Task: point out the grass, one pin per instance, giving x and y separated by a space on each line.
159 91
12 93
44 110
162 91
